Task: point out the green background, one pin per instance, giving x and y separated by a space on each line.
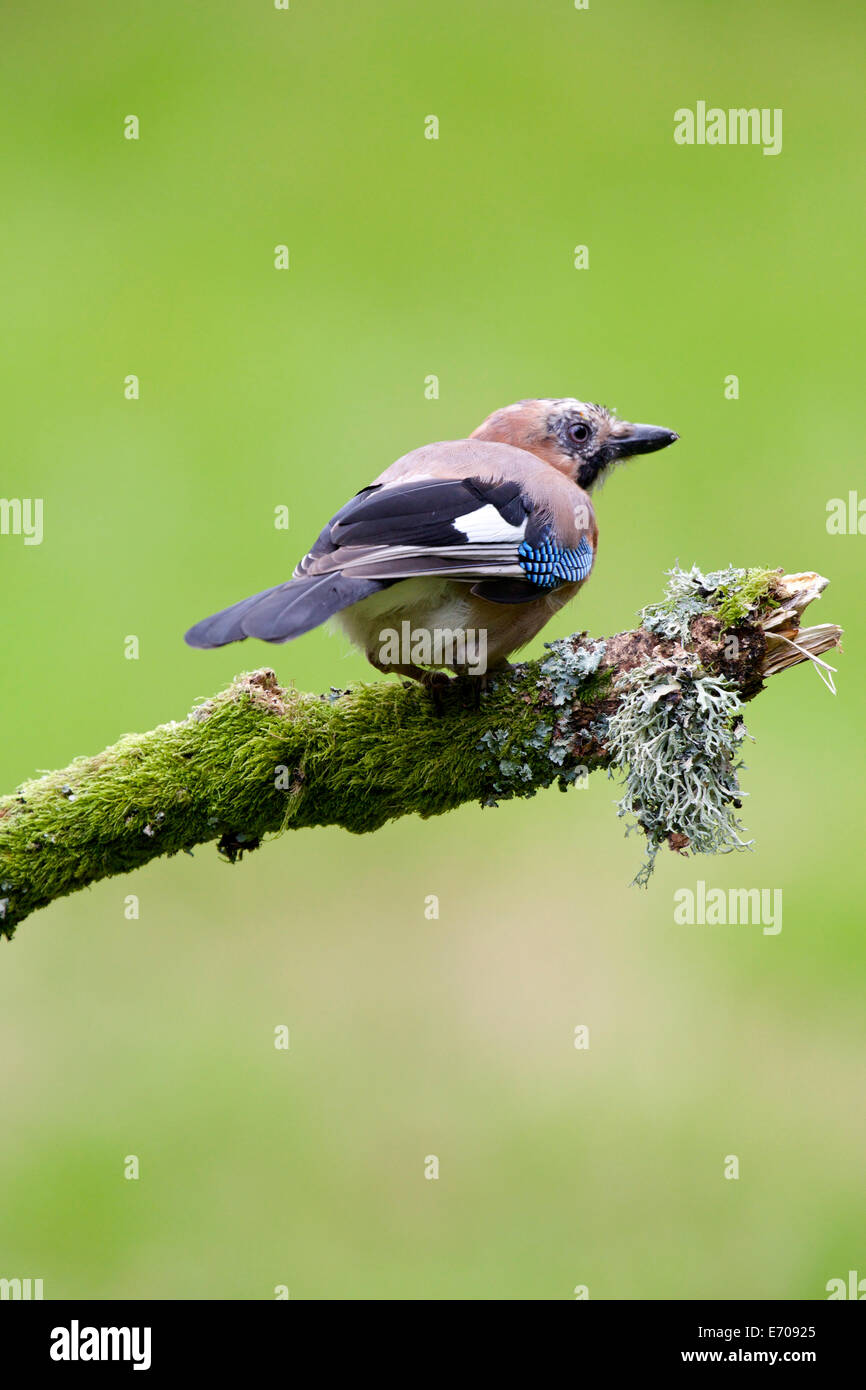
409 256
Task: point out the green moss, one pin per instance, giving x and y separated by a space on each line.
735 601
729 595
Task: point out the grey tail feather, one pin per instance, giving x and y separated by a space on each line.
279 614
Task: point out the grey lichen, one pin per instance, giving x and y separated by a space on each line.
573 676
521 766
676 735
505 762
569 665
729 595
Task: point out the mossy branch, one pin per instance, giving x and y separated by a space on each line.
661 702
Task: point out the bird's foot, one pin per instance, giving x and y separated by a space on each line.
462 691
438 686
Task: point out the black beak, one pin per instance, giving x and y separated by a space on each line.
639 439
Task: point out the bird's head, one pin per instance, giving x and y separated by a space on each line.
582 440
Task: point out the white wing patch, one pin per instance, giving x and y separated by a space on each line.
485 524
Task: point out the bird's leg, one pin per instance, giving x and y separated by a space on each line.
436 683
415 673
470 688
473 687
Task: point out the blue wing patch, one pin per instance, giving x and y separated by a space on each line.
548 566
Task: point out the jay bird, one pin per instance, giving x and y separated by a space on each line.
493 533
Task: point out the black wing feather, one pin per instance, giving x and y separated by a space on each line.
423 513
388 533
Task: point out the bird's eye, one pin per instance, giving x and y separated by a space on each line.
579 432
